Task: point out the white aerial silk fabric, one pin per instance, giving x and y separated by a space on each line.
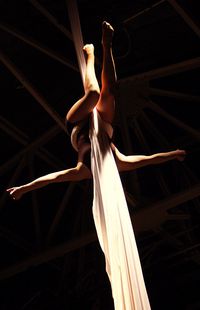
113 224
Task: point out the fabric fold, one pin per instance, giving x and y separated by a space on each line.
113 223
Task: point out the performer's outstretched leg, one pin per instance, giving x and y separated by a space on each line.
106 103
81 109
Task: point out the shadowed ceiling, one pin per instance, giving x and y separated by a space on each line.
50 257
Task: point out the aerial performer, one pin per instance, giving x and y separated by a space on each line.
89 123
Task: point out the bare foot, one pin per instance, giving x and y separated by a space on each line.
89 49
107 34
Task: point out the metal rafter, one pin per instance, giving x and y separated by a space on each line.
51 18
39 46
160 138
183 251
23 139
60 211
31 89
16 240
182 66
133 179
149 125
30 148
13 131
12 180
48 255
143 220
186 17
173 94
193 132
35 205
130 19
159 176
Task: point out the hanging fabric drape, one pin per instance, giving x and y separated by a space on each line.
110 210
77 36
113 224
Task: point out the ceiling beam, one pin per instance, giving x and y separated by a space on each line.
48 255
133 183
12 181
189 21
193 132
183 251
16 240
172 94
35 206
31 89
163 185
57 24
130 19
60 211
143 220
186 65
24 140
37 45
51 18
13 131
164 143
155 132
30 148
178 217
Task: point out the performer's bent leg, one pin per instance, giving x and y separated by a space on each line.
106 103
83 107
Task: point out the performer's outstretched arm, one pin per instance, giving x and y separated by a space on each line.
78 173
132 162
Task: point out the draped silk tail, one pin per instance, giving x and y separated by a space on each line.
113 224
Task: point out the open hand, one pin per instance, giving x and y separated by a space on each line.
15 192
